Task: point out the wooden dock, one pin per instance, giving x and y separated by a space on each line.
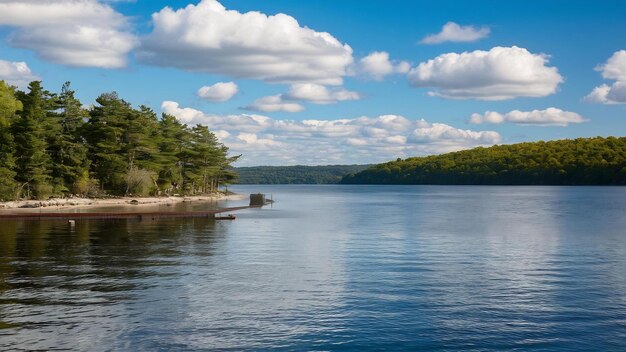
120 215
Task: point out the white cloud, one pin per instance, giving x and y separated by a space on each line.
452 32
319 94
605 94
309 92
209 38
69 32
274 103
221 134
614 69
219 92
254 140
263 140
439 132
498 74
16 73
547 117
377 65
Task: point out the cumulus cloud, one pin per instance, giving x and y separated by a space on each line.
547 117
69 32
253 140
264 140
309 92
209 38
605 94
498 74
452 32
614 69
274 103
219 92
16 73
377 65
319 94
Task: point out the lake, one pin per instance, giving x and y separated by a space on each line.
442 268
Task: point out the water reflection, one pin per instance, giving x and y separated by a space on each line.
63 285
330 268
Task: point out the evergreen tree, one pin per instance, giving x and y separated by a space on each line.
140 147
50 145
139 143
33 163
9 105
210 159
70 165
104 133
168 141
186 155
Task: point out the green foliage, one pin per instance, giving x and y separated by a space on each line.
43 191
50 145
7 185
8 103
582 161
67 148
299 174
139 182
104 132
86 187
31 131
9 106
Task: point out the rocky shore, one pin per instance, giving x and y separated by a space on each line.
58 203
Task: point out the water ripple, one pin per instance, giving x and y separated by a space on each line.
330 268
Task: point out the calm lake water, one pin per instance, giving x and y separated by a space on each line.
454 268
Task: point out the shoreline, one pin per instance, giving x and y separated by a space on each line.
35 206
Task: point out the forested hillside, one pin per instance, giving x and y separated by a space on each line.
298 174
51 145
582 161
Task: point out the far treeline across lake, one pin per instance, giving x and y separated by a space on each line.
296 174
50 145
581 161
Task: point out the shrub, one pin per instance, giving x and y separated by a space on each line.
43 191
86 187
7 185
139 182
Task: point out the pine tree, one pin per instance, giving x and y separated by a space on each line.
139 145
68 150
33 163
50 145
104 132
210 158
168 142
9 105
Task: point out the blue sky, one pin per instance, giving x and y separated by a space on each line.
540 58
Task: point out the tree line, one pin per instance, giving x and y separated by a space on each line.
297 174
51 145
581 161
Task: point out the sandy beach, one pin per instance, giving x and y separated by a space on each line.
86 203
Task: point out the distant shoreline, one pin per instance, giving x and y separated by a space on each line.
32 206
596 161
